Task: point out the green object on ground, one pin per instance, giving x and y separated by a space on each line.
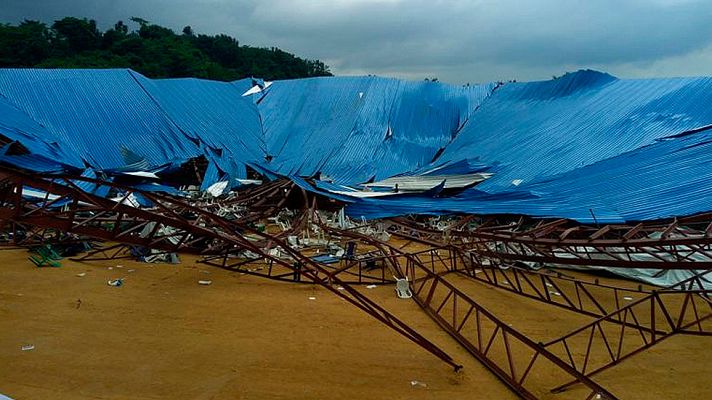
45 256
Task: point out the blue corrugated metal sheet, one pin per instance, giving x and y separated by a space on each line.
215 116
586 147
538 129
357 128
95 113
18 126
584 143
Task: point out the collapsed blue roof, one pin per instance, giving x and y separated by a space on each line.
215 117
354 129
94 114
584 146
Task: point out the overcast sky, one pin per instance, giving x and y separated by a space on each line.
457 41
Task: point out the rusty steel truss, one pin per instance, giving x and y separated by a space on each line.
171 225
512 255
684 243
489 339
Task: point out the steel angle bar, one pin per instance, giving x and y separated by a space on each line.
171 225
683 308
491 341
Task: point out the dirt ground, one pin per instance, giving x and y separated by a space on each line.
163 336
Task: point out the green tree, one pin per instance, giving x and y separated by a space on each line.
152 50
74 35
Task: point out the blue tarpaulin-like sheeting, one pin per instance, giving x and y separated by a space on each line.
539 129
584 146
215 116
353 129
92 114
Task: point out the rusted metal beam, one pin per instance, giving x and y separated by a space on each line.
490 340
171 225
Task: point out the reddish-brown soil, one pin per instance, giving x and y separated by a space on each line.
163 336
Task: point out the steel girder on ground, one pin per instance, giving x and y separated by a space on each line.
170 225
486 254
683 308
652 314
489 339
684 243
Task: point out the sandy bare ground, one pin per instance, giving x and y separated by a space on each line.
163 336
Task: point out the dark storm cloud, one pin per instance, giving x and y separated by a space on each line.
455 40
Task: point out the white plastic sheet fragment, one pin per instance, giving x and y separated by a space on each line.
218 188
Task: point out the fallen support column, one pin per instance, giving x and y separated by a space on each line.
491 341
171 225
684 308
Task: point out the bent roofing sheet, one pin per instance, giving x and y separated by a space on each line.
18 126
665 179
95 113
357 128
212 113
532 130
584 142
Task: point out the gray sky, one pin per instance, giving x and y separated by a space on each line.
457 40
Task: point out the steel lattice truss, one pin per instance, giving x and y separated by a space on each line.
680 244
652 315
623 320
171 225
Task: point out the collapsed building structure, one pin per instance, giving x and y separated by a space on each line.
352 180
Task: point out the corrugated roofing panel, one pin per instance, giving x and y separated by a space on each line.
538 129
214 114
357 128
96 113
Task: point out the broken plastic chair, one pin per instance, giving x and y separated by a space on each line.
44 256
403 289
43 261
350 250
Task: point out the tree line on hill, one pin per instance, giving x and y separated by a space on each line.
152 50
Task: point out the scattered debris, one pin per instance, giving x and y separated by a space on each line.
116 282
357 252
45 256
403 289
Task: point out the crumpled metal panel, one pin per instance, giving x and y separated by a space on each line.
95 113
215 115
357 128
535 130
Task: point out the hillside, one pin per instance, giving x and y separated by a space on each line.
152 50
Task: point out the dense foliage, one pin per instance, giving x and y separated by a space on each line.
152 50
